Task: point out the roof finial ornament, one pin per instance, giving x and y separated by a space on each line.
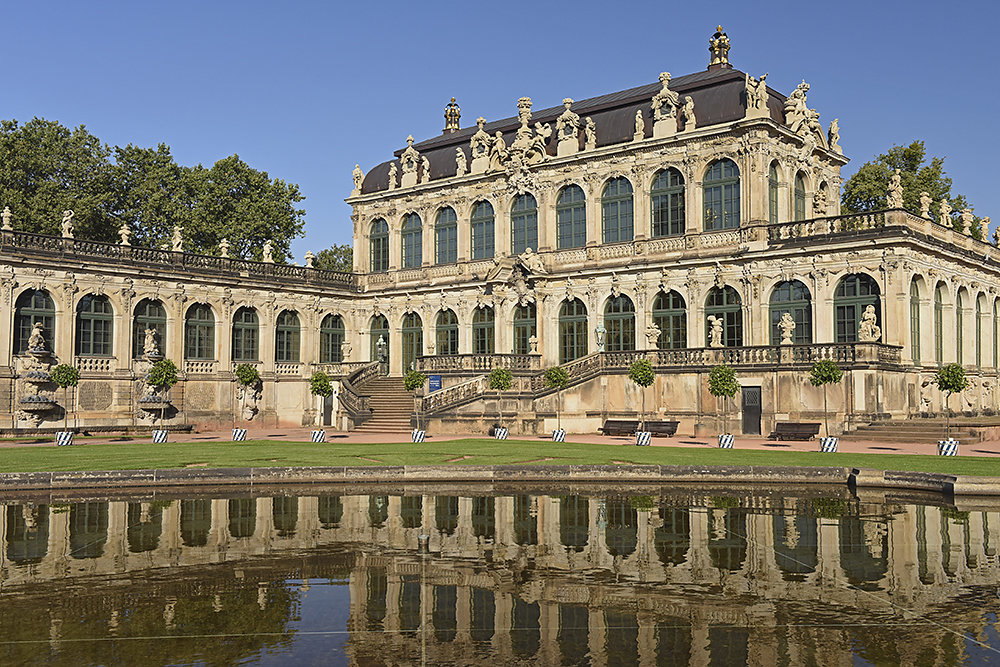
452 116
718 46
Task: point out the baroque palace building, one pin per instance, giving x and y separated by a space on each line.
694 221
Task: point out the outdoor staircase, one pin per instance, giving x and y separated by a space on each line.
922 431
392 406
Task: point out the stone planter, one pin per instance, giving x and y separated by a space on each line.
559 435
319 436
643 438
828 444
727 440
159 436
64 438
948 447
239 434
418 435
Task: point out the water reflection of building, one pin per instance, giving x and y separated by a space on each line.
553 578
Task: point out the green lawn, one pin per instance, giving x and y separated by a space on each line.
264 453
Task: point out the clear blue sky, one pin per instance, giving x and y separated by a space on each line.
306 90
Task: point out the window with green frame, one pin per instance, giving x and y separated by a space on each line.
800 196
286 337
572 330
725 304
959 329
524 328
619 324
483 230
792 297
246 335
571 217
378 241
523 224
94 326
483 331
670 315
939 298
149 314
446 236
378 328
854 293
721 189
34 305
915 322
413 340
772 193
667 199
447 332
199 332
331 339
616 211
412 238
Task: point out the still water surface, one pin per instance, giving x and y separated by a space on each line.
682 576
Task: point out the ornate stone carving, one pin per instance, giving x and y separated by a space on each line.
124 233
800 118
177 240
967 220
652 336
408 162
358 176
479 147
868 330
452 117
461 166
714 331
756 92
6 216
150 346
787 327
895 197
567 130
268 252
833 136
310 259
664 105
532 262
944 213
67 224
819 203
425 171
224 248
640 126
718 47
688 110
590 135
925 204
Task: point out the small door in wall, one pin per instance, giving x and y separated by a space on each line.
751 410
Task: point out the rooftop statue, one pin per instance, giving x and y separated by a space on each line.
756 92
6 215
177 241
268 252
925 204
689 119
461 166
124 233
358 176
718 47
664 105
567 130
392 176
895 198
479 147
425 174
67 224
799 117
409 161
640 126
590 135
834 136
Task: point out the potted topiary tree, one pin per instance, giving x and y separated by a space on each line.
557 378
722 383
826 372
247 381
65 376
641 373
500 380
412 382
161 377
950 379
320 385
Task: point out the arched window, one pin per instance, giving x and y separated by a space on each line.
524 328
246 335
378 240
483 331
619 321
572 330
939 324
446 236
725 304
199 332
959 328
792 297
94 325
571 217
34 305
667 198
670 315
483 231
800 196
616 211
149 314
523 224
331 340
286 338
412 236
772 193
915 322
413 340
979 333
447 332
378 330
854 293
722 195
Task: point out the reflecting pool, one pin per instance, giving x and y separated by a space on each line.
520 576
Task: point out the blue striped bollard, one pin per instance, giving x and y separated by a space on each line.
64 438
239 434
643 438
418 435
828 444
727 440
559 435
159 436
319 436
948 447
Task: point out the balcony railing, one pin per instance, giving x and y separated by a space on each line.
478 362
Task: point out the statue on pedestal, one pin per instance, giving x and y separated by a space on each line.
787 328
868 330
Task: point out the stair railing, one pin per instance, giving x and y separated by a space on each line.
355 404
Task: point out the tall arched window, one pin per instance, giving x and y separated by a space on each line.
939 324
524 328
94 325
670 315
523 224
412 236
571 217
286 338
619 321
34 305
667 199
446 236
722 195
772 193
616 211
413 340
149 314
979 333
331 340
246 335
792 297
959 328
854 293
447 332
725 304
378 330
483 230
800 196
378 240
572 330
483 331
199 332
915 322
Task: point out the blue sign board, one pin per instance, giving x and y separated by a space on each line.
434 383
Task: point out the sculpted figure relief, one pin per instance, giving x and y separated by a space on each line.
640 126
834 136
498 152
532 262
787 328
357 176
67 224
819 203
714 331
392 176
149 346
799 117
868 330
479 147
36 341
665 103
756 92
925 204
177 240
652 336
590 136
567 130
895 190
689 119
425 175
460 164
409 160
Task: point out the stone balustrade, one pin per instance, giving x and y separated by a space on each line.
199 367
479 362
95 364
291 369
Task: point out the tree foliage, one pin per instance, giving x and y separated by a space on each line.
163 374
338 257
319 384
641 372
414 380
556 378
65 376
247 375
722 381
500 379
951 379
825 372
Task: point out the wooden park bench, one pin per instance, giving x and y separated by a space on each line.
666 429
619 427
794 431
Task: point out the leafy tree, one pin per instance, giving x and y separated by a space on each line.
413 381
822 373
162 376
950 379
557 378
641 372
338 257
65 376
722 383
248 375
319 384
500 379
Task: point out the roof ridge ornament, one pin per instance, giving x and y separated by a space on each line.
452 117
718 46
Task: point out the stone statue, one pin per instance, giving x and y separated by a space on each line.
532 262
67 224
834 136
124 232
358 176
177 241
799 117
590 135
498 152
392 176
895 190
149 346
925 204
6 215
601 334
984 224
426 174
310 259
868 330
640 126
714 331
819 203
967 220
224 248
461 166
688 110
652 336
479 147
787 328
996 236
567 130
533 344
944 213
36 341
268 252
665 100
409 160
756 92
